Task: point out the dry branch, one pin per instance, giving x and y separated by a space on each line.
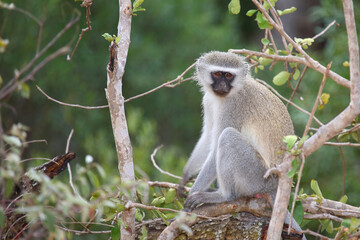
115 72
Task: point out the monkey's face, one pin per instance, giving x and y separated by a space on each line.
221 82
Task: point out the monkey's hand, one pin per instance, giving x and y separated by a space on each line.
181 192
193 200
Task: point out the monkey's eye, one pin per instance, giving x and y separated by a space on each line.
228 75
217 74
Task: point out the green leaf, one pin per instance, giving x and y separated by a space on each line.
115 232
295 166
265 41
281 78
137 3
251 12
286 11
108 37
296 74
290 140
234 7
117 40
2 218
301 141
267 5
158 201
139 216
24 90
265 61
299 212
144 233
346 64
93 179
346 223
170 195
354 224
1 80
343 199
315 187
49 222
261 21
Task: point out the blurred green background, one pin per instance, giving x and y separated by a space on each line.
165 40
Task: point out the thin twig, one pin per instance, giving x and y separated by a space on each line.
14 80
317 100
69 167
157 167
316 234
342 144
297 85
71 105
296 190
87 4
323 31
171 83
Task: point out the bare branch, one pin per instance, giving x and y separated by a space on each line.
289 58
342 144
87 4
175 82
316 100
327 28
71 105
297 85
114 95
166 185
157 167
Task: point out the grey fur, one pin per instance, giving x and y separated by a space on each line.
241 135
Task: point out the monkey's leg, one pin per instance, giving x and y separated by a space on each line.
240 168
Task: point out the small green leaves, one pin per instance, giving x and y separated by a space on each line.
24 90
295 167
299 212
3 44
281 78
324 100
265 41
234 7
315 187
110 38
261 21
137 8
115 232
346 64
343 199
286 11
290 140
170 195
296 74
251 12
267 5
305 43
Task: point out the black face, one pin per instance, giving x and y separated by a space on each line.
222 82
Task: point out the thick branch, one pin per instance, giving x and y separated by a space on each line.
115 72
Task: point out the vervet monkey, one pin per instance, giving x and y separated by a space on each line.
243 128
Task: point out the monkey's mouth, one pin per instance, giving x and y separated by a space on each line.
221 93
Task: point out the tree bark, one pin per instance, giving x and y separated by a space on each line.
115 72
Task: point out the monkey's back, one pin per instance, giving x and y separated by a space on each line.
261 118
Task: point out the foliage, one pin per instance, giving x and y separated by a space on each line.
165 40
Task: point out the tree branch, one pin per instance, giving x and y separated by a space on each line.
115 72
